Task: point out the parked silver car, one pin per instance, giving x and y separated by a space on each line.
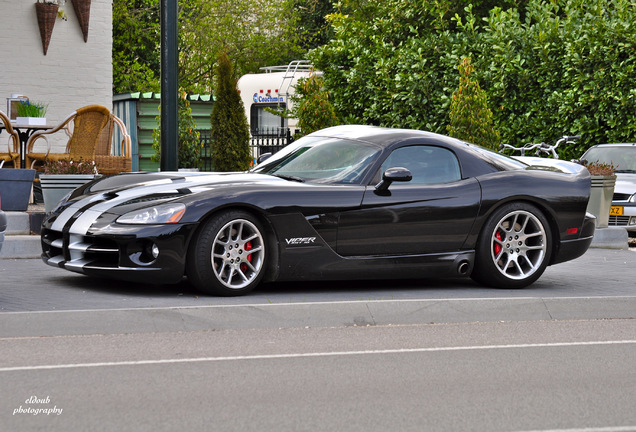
622 156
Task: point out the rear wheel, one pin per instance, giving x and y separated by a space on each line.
228 256
514 247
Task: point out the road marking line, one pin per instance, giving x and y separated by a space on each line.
599 429
308 355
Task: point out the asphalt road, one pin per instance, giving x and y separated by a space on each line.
549 376
83 354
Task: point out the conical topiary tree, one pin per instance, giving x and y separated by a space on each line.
470 117
230 150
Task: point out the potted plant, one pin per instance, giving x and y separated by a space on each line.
62 177
603 182
31 113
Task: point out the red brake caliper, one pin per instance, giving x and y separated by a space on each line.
248 247
497 246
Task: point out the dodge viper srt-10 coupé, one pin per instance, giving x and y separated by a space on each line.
348 202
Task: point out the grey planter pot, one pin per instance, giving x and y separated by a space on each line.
601 198
57 186
15 188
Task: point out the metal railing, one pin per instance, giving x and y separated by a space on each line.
205 163
266 141
270 141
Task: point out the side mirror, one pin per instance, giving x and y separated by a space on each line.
263 158
397 174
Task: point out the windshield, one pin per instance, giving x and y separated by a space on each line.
622 157
321 160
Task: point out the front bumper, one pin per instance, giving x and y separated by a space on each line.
122 252
627 220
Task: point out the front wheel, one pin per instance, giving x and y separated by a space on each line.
514 247
228 256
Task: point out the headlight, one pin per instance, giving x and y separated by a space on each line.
632 199
161 214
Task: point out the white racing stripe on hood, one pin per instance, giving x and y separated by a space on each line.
68 213
86 220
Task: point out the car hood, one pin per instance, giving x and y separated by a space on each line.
625 183
173 180
143 189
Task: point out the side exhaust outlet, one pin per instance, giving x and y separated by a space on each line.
463 268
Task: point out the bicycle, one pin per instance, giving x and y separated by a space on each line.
541 148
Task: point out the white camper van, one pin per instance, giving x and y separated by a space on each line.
271 89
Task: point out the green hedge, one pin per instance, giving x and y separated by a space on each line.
566 67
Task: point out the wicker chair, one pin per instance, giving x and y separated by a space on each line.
108 160
12 153
90 138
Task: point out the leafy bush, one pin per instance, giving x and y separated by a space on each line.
386 65
548 68
567 68
312 107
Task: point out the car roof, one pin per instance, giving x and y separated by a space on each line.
383 136
614 145
476 160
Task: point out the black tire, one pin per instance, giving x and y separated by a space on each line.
514 247
227 257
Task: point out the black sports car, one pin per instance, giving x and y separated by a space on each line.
349 202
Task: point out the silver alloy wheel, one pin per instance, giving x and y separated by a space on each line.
238 253
518 244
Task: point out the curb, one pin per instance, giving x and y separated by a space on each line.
610 238
22 236
315 315
21 246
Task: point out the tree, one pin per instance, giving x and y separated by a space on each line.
136 57
230 132
312 26
470 117
255 33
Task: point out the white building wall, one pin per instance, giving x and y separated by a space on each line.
72 74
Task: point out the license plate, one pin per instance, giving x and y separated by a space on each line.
616 211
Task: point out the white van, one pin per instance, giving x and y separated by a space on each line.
271 89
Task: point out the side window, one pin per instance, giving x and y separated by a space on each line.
263 122
428 164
